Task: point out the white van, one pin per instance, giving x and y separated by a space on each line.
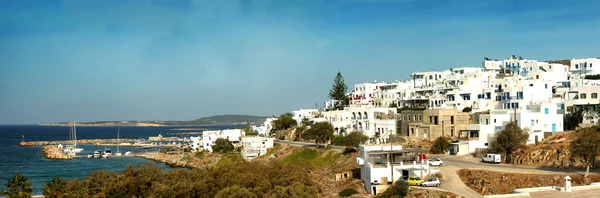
492 158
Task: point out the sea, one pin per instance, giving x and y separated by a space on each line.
30 162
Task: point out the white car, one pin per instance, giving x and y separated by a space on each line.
434 181
436 162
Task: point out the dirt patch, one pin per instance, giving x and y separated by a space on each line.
552 152
430 193
491 182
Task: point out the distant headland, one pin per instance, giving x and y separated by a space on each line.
205 121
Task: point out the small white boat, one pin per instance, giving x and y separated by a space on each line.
128 153
90 155
97 154
107 153
118 154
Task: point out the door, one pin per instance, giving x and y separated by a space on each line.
553 127
405 175
536 139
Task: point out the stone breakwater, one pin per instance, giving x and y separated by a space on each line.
52 152
186 160
84 141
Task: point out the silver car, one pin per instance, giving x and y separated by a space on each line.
434 181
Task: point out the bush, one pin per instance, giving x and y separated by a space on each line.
347 192
399 189
509 139
440 145
338 140
222 145
354 139
467 109
572 120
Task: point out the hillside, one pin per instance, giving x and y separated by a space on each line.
212 120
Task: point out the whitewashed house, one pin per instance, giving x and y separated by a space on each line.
362 118
254 146
382 164
299 115
209 137
196 143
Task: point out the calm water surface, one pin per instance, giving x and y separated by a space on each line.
30 162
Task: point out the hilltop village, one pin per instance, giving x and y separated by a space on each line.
466 106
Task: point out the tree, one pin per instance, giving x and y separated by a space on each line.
248 130
338 91
235 192
337 140
320 132
305 121
440 145
285 121
300 131
467 109
354 138
573 119
393 105
509 139
586 147
55 188
18 186
222 145
398 189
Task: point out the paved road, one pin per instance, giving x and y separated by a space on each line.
452 164
308 145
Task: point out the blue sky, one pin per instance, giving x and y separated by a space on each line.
89 60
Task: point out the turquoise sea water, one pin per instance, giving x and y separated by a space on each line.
30 162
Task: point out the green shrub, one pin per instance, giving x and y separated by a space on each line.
338 140
399 189
347 192
440 145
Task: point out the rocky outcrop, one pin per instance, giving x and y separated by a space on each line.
553 152
52 152
491 182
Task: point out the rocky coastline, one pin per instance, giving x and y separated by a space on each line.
183 160
52 152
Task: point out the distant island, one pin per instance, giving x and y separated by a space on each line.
205 121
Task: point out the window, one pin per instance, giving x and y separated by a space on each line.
576 66
531 85
404 117
451 119
594 95
420 117
494 120
408 117
546 111
550 67
582 96
590 65
532 123
487 121
546 86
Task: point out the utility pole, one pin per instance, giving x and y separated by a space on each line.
391 158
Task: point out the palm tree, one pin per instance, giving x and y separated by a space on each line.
18 186
55 188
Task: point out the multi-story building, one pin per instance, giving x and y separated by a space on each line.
209 137
433 123
301 114
381 165
363 118
585 66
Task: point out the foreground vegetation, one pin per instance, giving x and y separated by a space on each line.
231 177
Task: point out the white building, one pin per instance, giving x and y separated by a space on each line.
382 164
363 118
265 128
195 142
585 66
299 115
209 137
254 146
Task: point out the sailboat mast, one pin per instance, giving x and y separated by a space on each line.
118 138
75 134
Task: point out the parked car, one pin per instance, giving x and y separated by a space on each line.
415 181
436 162
434 181
492 158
